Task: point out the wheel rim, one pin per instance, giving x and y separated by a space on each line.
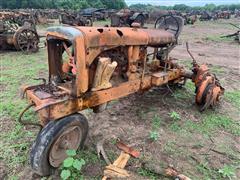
89 22
161 23
69 139
140 20
28 41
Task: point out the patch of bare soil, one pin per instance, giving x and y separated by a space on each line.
124 120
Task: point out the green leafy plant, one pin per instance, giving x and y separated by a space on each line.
156 121
227 172
154 135
175 116
71 167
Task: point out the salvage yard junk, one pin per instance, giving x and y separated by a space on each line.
222 15
127 17
18 32
103 64
74 19
205 16
189 18
235 35
100 14
116 169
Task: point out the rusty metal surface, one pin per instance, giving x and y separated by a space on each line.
208 88
69 139
126 17
74 19
128 149
107 63
17 31
110 36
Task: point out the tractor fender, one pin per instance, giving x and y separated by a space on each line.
135 15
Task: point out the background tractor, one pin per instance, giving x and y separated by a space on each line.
17 31
126 17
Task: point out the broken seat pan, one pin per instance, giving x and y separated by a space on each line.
112 36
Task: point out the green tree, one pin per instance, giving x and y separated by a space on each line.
210 7
181 7
114 4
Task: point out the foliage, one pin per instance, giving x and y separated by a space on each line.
174 115
71 167
184 8
213 121
156 122
154 135
147 173
14 139
63 4
181 7
233 97
227 172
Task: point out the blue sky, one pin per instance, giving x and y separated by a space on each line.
187 2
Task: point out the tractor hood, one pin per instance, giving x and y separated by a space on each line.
112 36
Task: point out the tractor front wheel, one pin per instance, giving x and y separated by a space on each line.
49 149
140 19
26 39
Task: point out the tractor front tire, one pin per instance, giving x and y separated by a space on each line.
49 150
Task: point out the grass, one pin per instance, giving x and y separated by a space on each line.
17 69
211 123
185 93
218 70
156 122
147 173
218 38
102 23
233 97
226 172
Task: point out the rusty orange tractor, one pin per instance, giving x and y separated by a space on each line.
103 64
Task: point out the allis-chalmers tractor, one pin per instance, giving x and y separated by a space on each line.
103 64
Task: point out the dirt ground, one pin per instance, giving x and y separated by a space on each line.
200 145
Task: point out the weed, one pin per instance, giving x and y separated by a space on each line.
208 172
217 38
114 141
233 97
89 155
175 116
147 173
156 121
185 93
212 122
175 127
227 172
154 135
217 69
71 167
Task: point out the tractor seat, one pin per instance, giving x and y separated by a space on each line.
158 37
